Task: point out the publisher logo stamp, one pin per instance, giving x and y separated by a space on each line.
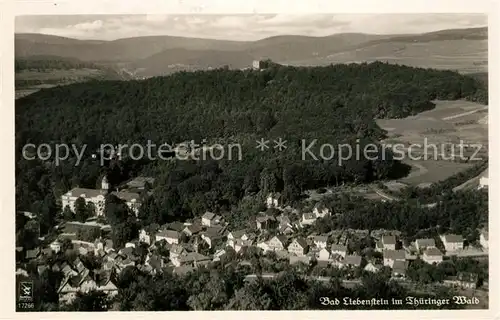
25 296
26 291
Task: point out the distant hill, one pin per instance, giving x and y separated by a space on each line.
459 49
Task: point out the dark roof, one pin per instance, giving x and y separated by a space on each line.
194 228
352 260
426 242
337 247
453 238
177 226
394 254
301 241
399 266
321 238
388 239
238 233
433 252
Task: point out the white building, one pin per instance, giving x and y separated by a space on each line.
452 242
432 255
273 200
483 181
321 211
257 64
483 239
97 197
55 246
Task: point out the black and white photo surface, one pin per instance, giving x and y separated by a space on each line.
251 162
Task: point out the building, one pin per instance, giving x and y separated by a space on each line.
55 246
399 269
452 242
422 244
387 242
320 241
234 236
323 255
192 259
308 219
483 181
338 250
483 239
170 236
266 222
277 243
463 280
321 211
193 229
273 200
97 197
210 219
353 261
132 199
147 237
298 247
140 182
257 64
390 256
432 255
212 236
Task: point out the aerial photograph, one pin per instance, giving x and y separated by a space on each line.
251 162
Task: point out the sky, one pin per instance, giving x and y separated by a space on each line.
240 27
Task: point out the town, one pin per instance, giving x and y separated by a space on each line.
181 247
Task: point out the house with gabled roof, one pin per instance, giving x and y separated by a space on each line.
320 241
210 219
321 211
323 254
422 244
266 222
298 247
432 255
399 269
308 218
452 242
278 243
213 236
390 256
387 242
353 261
338 250
192 229
170 236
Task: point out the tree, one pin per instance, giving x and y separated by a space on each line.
91 301
81 212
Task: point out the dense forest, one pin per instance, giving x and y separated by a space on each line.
335 104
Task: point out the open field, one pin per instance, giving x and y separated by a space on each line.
451 122
465 56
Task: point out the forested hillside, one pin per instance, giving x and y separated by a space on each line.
335 104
